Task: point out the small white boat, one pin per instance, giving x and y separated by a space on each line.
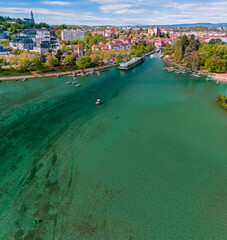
78 85
68 83
25 79
73 82
98 102
218 82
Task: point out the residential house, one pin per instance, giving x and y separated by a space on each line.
3 34
22 43
71 34
79 50
95 48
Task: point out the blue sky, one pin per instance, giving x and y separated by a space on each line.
118 12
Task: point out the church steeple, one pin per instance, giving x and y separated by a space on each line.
32 18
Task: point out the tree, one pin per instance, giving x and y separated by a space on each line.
24 62
42 58
129 57
194 44
36 61
195 60
118 58
13 59
84 62
185 43
95 59
178 50
216 64
52 61
59 54
216 41
68 60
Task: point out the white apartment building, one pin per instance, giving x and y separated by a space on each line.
71 34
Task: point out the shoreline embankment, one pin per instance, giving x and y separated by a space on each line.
219 77
57 74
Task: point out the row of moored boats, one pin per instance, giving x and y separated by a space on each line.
187 71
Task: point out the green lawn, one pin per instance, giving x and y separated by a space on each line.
72 68
12 72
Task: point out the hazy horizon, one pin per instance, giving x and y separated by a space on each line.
121 13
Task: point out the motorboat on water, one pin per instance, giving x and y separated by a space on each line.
98 102
68 83
73 82
78 85
24 79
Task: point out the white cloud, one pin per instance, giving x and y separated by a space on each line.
113 7
60 3
35 11
127 11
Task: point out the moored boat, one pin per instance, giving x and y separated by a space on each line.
130 64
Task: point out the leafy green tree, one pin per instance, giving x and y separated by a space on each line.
84 62
24 62
216 41
178 50
42 58
222 100
95 59
118 58
36 61
68 60
167 50
216 64
52 61
59 54
185 43
129 57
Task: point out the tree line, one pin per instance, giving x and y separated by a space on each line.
191 53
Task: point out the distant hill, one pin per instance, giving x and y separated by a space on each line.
209 25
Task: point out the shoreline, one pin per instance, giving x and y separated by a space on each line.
54 74
218 77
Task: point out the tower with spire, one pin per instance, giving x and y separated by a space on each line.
30 21
32 17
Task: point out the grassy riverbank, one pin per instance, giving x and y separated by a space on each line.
54 73
11 72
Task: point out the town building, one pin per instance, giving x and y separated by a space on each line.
3 34
116 44
78 50
110 32
30 21
30 33
42 47
157 31
71 34
42 35
22 43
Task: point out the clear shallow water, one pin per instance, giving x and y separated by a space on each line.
150 163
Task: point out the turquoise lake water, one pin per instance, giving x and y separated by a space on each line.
150 163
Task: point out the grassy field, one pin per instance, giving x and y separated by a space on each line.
72 68
12 72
